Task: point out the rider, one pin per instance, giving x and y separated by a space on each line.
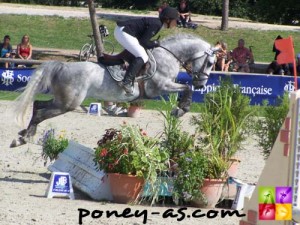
135 34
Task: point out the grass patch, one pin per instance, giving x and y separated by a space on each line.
149 104
58 32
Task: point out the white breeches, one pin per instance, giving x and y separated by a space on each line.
130 43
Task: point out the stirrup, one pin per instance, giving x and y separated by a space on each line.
128 88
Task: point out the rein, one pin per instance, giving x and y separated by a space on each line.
184 64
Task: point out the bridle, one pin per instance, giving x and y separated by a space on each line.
194 74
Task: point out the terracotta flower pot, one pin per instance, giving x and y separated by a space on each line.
124 188
234 163
232 172
212 190
134 111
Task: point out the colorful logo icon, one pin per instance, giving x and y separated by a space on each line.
275 203
283 212
284 195
267 211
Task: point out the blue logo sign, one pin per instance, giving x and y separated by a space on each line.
94 109
61 184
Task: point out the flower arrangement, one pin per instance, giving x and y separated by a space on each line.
192 168
130 151
52 145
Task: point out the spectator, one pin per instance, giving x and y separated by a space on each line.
223 58
241 57
275 49
275 69
184 12
25 48
5 50
163 5
13 56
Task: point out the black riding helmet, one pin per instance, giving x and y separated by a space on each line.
168 13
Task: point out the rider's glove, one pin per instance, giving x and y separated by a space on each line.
156 43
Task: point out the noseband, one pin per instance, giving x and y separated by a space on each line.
195 74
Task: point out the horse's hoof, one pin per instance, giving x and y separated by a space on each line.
177 112
22 132
16 143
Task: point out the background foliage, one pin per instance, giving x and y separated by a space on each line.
71 33
267 127
272 11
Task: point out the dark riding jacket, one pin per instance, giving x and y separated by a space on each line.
143 29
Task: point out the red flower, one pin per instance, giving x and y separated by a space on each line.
110 166
103 152
125 151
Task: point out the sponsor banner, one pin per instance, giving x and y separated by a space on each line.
257 86
13 79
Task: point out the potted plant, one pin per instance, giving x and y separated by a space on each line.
222 125
130 157
187 162
134 109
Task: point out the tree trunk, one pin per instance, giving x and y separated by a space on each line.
225 13
95 26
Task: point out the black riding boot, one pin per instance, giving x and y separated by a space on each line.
134 67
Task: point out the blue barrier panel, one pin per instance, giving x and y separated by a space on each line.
13 79
258 87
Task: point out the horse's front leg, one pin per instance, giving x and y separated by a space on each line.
185 101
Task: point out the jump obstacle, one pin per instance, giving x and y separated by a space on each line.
281 168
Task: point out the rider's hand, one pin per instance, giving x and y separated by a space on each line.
157 43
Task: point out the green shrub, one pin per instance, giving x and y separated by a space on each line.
267 128
225 119
193 166
52 145
174 140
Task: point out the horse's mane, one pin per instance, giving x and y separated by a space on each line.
179 37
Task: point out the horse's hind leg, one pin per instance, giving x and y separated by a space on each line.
36 105
43 111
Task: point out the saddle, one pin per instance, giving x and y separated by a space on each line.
116 65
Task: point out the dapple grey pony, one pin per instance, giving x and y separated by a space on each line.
70 83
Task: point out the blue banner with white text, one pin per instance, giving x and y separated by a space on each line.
258 87
13 79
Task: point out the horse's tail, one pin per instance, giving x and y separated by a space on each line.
40 81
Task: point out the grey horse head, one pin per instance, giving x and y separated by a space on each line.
194 51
